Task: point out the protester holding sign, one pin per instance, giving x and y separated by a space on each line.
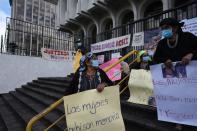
144 61
89 75
176 45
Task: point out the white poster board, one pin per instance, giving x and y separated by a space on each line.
175 92
138 39
190 25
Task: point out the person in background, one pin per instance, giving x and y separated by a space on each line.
89 75
144 61
176 45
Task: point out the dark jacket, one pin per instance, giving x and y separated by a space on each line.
85 84
187 43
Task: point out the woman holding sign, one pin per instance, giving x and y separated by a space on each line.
176 45
89 75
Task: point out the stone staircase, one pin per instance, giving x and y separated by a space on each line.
19 106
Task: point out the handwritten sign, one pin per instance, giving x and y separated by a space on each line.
190 25
112 44
93 111
57 55
115 73
138 39
175 92
140 86
101 58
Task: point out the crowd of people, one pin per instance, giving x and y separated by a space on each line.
176 45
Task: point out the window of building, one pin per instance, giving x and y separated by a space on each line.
20 9
29 10
35 11
185 12
153 9
42 10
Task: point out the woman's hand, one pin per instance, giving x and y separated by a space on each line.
187 58
101 87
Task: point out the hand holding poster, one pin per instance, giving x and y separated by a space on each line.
140 86
115 73
175 92
93 111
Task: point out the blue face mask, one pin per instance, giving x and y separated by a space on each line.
167 33
145 58
95 63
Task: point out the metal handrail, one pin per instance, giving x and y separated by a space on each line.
57 103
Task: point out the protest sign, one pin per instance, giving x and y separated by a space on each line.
175 92
140 86
114 73
57 55
116 55
101 58
94 111
138 39
112 44
151 40
76 62
190 25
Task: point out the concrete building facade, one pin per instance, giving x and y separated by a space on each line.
89 18
33 25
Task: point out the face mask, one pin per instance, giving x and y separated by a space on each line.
167 33
95 63
145 58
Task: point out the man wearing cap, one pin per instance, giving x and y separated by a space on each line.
176 45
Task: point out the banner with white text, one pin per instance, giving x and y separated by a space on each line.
175 92
112 44
94 111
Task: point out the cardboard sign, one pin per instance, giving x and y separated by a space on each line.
94 111
138 39
115 73
140 86
175 92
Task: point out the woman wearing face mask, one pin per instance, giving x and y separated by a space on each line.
89 75
143 61
176 45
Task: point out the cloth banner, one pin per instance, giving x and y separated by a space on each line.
94 111
140 86
138 39
112 44
175 92
115 73
57 55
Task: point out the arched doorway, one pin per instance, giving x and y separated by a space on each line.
93 34
108 25
153 9
127 19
